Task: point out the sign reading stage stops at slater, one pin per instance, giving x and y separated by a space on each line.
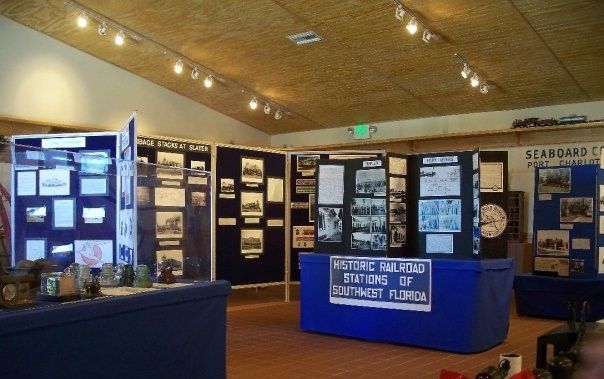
381 282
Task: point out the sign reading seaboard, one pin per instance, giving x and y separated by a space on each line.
381 282
562 155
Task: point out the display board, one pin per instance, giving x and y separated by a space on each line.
127 170
174 205
492 203
66 197
565 225
250 215
600 231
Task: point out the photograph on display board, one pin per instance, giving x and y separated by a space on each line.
552 242
397 166
94 161
440 215
172 258
555 180
601 198
274 190
491 177
329 224
398 235
35 214
227 185
143 196
252 241
577 265
54 182
360 241
174 160
378 207
198 199
198 165
360 206
93 252
142 166
59 159
311 207
439 181
397 188
378 241
252 204
252 170
306 163
475 189
168 224
576 209
560 266
378 224
169 197
371 181
398 212
476 240
361 224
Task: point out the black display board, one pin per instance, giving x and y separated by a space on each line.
397 183
250 229
493 204
195 214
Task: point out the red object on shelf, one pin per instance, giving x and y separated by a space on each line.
446 374
524 374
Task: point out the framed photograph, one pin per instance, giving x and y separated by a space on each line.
198 199
329 224
173 160
35 248
168 225
552 242
54 182
252 241
398 212
198 165
64 214
274 190
576 209
398 235
397 187
311 207
306 162
169 197
554 180
95 162
227 185
94 186
174 258
252 204
35 214
360 206
252 170
143 196
371 181
397 166
93 252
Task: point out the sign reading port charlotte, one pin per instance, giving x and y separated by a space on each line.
381 282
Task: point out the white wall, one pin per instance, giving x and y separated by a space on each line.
441 125
42 79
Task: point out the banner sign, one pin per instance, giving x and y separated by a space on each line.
170 145
381 282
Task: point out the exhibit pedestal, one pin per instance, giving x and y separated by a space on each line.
470 307
179 332
546 296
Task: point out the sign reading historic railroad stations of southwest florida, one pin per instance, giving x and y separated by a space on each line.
381 282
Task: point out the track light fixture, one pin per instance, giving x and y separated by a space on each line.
82 20
475 79
178 66
414 23
195 73
119 38
278 114
267 108
208 81
102 29
254 103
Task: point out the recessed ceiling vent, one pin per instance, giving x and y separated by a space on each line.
305 38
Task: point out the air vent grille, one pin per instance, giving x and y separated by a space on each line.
305 38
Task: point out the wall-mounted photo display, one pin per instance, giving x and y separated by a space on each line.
552 242
555 180
398 235
172 258
174 160
440 215
397 188
576 209
398 213
143 196
198 165
252 241
274 190
307 163
252 170
169 197
311 207
227 185
198 199
35 248
441 181
93 252
63 213
252 204
168 225
397 166
329 224
94 186
54 182
94 162
371 181
35 214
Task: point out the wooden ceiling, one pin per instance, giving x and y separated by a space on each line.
367 69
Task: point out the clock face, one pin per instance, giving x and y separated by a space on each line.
493 220
9 292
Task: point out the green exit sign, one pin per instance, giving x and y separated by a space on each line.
361 132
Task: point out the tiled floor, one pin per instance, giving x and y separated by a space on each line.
264 341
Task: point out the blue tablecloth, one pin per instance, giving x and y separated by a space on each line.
546 296
470 307
178 333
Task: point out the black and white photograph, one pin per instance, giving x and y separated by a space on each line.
439 181
35 214
252 204
274 190
379 241
371 181
143 196
311 207
577 265
306 162
378 207
576 209
252 170
552 242
173 160
198 199
361 224
329 224
360 206
252 241
168 224
54 182
398 235
360 241
172 258
198 165
398 212
94 162
378 224
554 180
397 166
440 215
397 188
601 198
227 185
169 197
475 185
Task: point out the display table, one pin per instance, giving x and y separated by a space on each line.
546 296
470 307
170 333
